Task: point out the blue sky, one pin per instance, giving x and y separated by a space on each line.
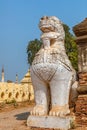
19 24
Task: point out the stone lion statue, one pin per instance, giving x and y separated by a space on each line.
52 74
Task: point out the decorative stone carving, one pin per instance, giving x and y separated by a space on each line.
52 74
51 71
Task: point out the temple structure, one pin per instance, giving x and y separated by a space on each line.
80 31
27 81
19 92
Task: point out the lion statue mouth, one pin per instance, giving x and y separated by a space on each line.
48 24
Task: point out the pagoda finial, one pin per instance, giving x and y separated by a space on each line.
2 74
16 78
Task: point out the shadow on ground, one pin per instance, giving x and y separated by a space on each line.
22 116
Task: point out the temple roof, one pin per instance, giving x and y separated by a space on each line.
81 28
27 78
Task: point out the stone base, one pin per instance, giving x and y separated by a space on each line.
49 122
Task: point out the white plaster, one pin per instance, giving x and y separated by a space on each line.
52 74
50 122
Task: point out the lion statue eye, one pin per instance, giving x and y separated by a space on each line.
42 18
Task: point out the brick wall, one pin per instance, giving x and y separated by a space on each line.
81 110
83 79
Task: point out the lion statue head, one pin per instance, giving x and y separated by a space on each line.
52 25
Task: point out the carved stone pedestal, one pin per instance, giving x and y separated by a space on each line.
64 123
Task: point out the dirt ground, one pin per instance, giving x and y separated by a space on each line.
14 116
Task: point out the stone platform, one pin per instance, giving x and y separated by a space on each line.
49 122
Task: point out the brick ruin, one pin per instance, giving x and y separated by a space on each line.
80 31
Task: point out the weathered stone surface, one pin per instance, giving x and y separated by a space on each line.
82 89
51 72
81 28
81 110
82 40
82 57
50 122
52 77
80 31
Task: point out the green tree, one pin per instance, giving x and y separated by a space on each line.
70 45
32 48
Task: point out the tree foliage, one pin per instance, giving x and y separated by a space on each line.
32 48
70 45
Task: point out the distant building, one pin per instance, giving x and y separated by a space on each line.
19 92
27 82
